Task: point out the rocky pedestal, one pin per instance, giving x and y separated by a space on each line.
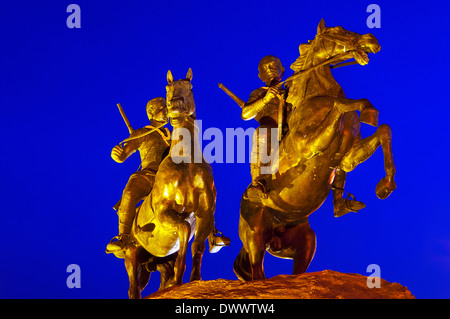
325 284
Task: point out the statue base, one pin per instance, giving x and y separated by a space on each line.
326 284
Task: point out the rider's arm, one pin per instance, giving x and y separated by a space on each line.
121 153
257 101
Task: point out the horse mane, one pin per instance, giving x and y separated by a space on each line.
299 64
317 82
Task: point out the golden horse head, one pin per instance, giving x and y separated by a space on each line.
180 100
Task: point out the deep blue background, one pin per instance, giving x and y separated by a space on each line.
59 121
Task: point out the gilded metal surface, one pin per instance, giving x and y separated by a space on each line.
321 143
318 141
153 145
178 195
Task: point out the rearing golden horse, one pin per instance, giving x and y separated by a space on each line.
323 139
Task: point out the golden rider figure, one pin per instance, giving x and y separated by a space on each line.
263 105
153 148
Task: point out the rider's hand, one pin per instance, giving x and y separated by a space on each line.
272 93
118 154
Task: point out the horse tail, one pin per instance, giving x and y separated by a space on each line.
242 267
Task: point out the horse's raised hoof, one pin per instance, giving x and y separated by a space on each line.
385 187
369 115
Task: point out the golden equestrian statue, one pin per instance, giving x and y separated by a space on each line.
320 143
180 205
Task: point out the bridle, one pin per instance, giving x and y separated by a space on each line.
330 60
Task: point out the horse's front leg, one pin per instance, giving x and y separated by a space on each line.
183 229
132 264
311 143
172 220
365 148
368 115
203 229
204 218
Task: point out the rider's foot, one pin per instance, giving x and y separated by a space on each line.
343 206
257 190
118 243
217 240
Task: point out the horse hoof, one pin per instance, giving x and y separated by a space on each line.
369 115
171 283
195 278
134 294
385 187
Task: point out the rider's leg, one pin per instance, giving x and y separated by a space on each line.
365 148
343 205
261 144
138 187
255 160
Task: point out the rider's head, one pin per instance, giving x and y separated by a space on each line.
270 70
157 109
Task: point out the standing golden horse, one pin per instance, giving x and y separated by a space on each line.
323 139
180 206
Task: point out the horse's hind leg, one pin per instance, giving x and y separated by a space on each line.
242 267
303 241
254 244
365 148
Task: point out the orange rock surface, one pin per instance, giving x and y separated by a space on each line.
325 284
